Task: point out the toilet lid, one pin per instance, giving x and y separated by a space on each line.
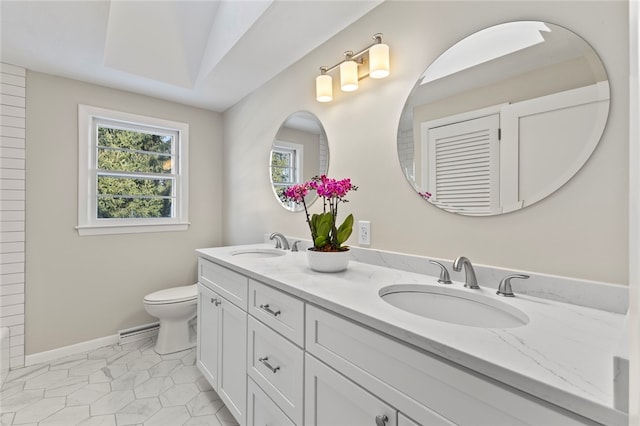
173 295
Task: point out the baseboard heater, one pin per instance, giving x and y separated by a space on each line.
140 332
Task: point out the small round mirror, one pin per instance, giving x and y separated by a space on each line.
298 153
503 118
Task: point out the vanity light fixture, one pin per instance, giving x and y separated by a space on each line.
375 55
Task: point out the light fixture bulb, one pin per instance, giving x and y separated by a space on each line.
324 88
379 60
349 76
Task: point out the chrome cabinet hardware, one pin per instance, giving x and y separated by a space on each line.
444 274
381 420
265 360
504 289
266 308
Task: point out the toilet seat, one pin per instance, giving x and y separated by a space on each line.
179 294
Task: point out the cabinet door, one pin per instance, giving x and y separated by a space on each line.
333 400
261 410
405 421
232 380
208 325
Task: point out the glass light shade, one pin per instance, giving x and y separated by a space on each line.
379 61
324 88
349 76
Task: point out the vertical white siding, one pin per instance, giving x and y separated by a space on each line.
12 206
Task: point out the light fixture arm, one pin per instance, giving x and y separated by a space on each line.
350 56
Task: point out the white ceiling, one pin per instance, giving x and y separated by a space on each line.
205 53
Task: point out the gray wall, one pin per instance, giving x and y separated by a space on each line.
82 288
580 231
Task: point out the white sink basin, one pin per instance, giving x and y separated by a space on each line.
453 306
259 252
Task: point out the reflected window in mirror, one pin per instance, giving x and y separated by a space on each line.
299 152
503 118
286 166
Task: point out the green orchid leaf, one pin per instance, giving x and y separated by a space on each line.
320 242
345 230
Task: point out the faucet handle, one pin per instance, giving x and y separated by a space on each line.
294 246
444 274
504 289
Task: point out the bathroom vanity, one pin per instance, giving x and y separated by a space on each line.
284 345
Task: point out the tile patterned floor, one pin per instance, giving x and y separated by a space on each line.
113 386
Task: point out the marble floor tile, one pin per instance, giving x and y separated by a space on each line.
46 380
153 387
67 416
179 395
107 420
88 394
165 368
130 380
112 402
204 404
138 411
118 385
169 416
39 411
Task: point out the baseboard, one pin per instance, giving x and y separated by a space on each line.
54 354
141 332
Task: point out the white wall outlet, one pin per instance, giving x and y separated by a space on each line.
364 232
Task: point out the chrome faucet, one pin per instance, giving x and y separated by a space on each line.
470 280
281 240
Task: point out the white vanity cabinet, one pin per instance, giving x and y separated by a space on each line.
275 359
279 359
423 387
331 399
222 334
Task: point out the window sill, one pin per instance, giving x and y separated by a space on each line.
130 229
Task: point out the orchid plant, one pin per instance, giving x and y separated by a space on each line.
325 233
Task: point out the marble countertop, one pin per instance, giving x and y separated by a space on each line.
563 355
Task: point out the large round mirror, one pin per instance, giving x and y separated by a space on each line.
503 118
298 153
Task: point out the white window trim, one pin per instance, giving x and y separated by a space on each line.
299 151
88 223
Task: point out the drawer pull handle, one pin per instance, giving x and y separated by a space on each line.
216 302
269 310
265 361
381 420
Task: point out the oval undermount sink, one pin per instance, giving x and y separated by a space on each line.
258 252
453 306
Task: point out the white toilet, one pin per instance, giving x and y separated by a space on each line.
174 307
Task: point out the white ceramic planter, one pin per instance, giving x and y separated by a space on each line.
322 261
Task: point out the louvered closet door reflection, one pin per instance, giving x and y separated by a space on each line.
464 166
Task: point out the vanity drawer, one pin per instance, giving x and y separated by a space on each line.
280 311
227 283
277 366
426 388
261 410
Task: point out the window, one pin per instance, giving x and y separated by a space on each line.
132 173
286 165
